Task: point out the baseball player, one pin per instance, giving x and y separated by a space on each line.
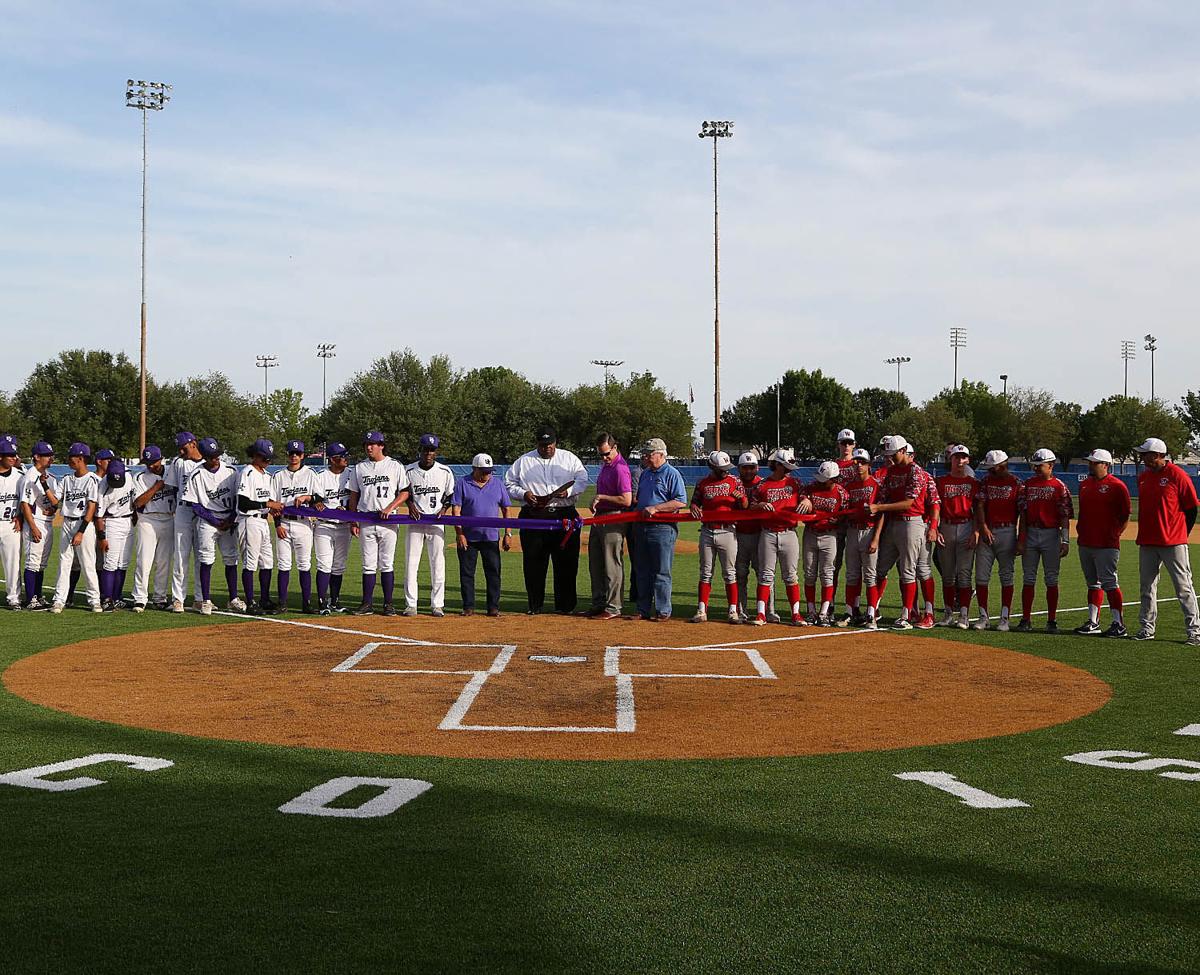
332 538
1043 535
430 491
176 477
155 532
830 502
378 486
718 491
294 486
101 458
778 542
957 536
79 492
846 443
932 517
747 541
10 520
1104 507
212 493
862 543
114 531
255 502
903 498
1001 495
39 502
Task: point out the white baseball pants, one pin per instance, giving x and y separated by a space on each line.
296 547
747 559
255 543
155 534
432 538
331 540
119 534
209 538
85 553
782 548
860 563
718 544
181 554
901 546
378 547
37 554
10 558
820 557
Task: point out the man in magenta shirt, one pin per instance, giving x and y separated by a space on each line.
606 559
1166 513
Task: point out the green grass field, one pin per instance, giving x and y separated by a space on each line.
811 864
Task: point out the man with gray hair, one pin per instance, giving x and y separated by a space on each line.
1166 515
660 491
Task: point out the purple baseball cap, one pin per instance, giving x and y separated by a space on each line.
295 446
79 450
263 446
336 449
374 436
116 473
151 455
104 454
209 448
430 440
42 449
183 438
8 445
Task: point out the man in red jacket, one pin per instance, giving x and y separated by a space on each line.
1166 514
1103 514
1043 536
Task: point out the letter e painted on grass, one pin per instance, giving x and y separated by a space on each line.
396 792
34 778
1106 759
968 795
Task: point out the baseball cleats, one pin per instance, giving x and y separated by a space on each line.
308 609
390 610
870 624
843 621
205 608
408 611
56 608
1087 628
926 622
1116 630
1003 625
107 606
735 615
1144 634
982 622
901 624
496 612
825 620
176 606
948 619
138 607
700 617
364 609
1051 626
1024 626
772 617
759 620
237 605
1193 640
437 612
98 608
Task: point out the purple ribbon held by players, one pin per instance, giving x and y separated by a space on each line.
461 521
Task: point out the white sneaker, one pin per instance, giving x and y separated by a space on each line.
176 606
758 621
237 605
1002 626
734 615
206 608
948 619
961 623
56 608
138 608
772 617
982 623
97 608
700 617
871 624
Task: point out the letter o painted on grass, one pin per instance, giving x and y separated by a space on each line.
396 792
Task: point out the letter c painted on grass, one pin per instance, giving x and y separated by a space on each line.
34 778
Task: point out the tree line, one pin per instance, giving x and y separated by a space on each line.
92 395
813 407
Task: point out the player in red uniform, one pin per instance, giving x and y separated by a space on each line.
747 541
933 516
846 442
778 543
862 543
957 536
720 491
902 499
829 503
1043 535
1000 497
1104 508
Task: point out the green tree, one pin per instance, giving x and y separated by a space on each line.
83 394
1120 423
17 423
501 411
1039 424
632 412
1189 413
813 408
991 417
285 418
872 408
208 406
929 428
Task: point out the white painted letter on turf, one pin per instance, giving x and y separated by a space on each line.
1146 764
396 793
1189 729
970 796
33 778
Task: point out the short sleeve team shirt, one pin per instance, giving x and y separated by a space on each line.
1104 507
719 494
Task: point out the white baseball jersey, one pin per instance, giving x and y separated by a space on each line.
10 495
116 502
162 503
214 490
377 483
177 474
256 485
76 492
431 489
34 495
333 489
290 485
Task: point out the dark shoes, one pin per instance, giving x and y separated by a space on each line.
365 609
389 609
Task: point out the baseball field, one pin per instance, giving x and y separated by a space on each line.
596 797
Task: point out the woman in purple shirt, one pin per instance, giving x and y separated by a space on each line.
480 494
606 560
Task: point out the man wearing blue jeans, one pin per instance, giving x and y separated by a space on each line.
660 490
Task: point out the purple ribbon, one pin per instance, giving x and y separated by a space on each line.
461 521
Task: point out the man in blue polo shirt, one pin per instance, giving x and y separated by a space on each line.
480 494
660 490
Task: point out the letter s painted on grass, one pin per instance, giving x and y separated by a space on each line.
34 778
1105 759
396 792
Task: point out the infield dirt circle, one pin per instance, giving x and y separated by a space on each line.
556 687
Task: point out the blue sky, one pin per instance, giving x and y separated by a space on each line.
522 183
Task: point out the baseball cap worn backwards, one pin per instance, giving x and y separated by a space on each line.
79 450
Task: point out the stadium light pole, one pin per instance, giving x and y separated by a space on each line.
1128 351
715 131
778 411
1151 347
146 96
265 362
898 361
1004 379
607 364
324 353
958 340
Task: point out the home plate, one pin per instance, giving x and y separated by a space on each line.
549 658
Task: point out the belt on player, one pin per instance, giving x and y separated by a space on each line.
108 517
956 521
906 518
1000 524
820 531
724 527
253 514
1045 528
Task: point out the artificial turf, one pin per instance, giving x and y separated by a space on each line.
812 864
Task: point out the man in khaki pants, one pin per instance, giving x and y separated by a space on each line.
1166 513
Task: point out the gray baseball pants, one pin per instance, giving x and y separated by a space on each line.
820 554
1174 558
722 544
957 557
782 548
1100 567
901 546
1003 551
747 559
1041 545
860 563
606 565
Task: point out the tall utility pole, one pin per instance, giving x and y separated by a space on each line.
324 353
958 340
1151 347
607 365
146 96
1004 379
1128 351
898 361
265 362
715 131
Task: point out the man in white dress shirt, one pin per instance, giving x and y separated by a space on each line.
547 480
